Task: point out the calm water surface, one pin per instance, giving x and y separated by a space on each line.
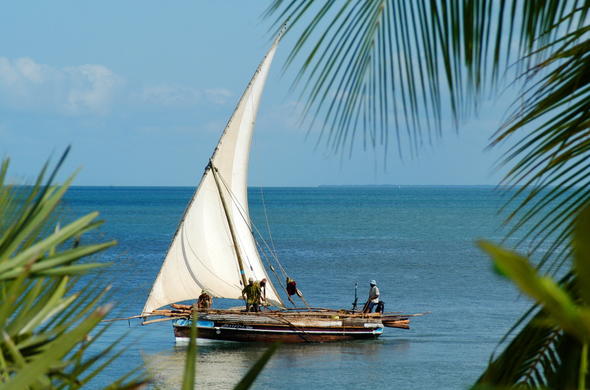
417 242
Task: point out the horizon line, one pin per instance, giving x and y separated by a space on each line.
293 186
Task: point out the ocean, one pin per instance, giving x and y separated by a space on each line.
419 243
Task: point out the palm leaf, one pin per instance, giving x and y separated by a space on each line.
44 316
256 369
539 356
551 350
30 373
381 64
459 50
188 379
375 66
550 160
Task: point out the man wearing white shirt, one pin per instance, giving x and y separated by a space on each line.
373 297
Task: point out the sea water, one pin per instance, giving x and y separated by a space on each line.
417 242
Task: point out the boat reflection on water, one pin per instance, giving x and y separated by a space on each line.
221 365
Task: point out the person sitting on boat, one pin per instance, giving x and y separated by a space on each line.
262 285
373 297
252 295
291 288
205 300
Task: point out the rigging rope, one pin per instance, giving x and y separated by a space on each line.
273 252
266 219
274 271
253 226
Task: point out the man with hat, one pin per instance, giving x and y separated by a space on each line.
205 301
252 295
373 297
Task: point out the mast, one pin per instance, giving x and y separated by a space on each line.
204 253
230 225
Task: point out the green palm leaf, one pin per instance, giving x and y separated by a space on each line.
372 67
550 160
379 66
551 350
533 358
45 318
256 369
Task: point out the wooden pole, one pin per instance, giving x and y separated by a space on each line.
158 320
230 224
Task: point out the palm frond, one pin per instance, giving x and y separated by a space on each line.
256 369
367 69
188 378
538 357
551 350
372 66
549 162
45 317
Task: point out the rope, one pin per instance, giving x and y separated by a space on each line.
303 334
274 250
252 225
275 273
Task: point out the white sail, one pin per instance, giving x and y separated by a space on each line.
203 255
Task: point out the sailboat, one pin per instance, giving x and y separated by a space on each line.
214 250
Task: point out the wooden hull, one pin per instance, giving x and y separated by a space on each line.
286 326
283 334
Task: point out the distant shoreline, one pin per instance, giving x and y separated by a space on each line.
322 186
401 185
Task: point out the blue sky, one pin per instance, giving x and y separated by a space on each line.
143 89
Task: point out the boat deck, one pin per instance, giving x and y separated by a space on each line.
288 326
298 316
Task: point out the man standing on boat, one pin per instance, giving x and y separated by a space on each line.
262 285
252 295
373 297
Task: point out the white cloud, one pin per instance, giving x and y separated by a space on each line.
168 129
286 116
170 95
92 87
218 95
89 89
75 90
